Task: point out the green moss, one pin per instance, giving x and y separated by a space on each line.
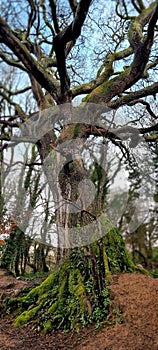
95 248
77 288
68 299
106 266
72 131
49 282
141 270
72 281
62 291
30 298
96 94
26 316
77 130
48 327
43 297
40 293
53 307
135 35
118 257
104 92
13 302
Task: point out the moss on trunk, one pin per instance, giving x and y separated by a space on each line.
68 298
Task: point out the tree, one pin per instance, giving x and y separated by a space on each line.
20 249
47 46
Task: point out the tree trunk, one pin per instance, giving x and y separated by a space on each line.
76 294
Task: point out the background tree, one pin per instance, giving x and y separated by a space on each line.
46 43
21 250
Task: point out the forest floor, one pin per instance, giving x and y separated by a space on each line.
135 301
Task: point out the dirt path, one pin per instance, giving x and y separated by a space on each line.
134 294
9 284
137 296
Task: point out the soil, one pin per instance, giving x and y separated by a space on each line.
134 301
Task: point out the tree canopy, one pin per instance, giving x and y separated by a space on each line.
56 52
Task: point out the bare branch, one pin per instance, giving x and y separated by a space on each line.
8 123
145 103
4 146
37 91
149 129
13 93
68 34
18 109
136 6
120 13
52 5
12 62
33 66
151 138
104 72
142 48
42 4
73 5
141 4
148 91
151 26
32 17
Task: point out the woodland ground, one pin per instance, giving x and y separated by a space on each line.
134 300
